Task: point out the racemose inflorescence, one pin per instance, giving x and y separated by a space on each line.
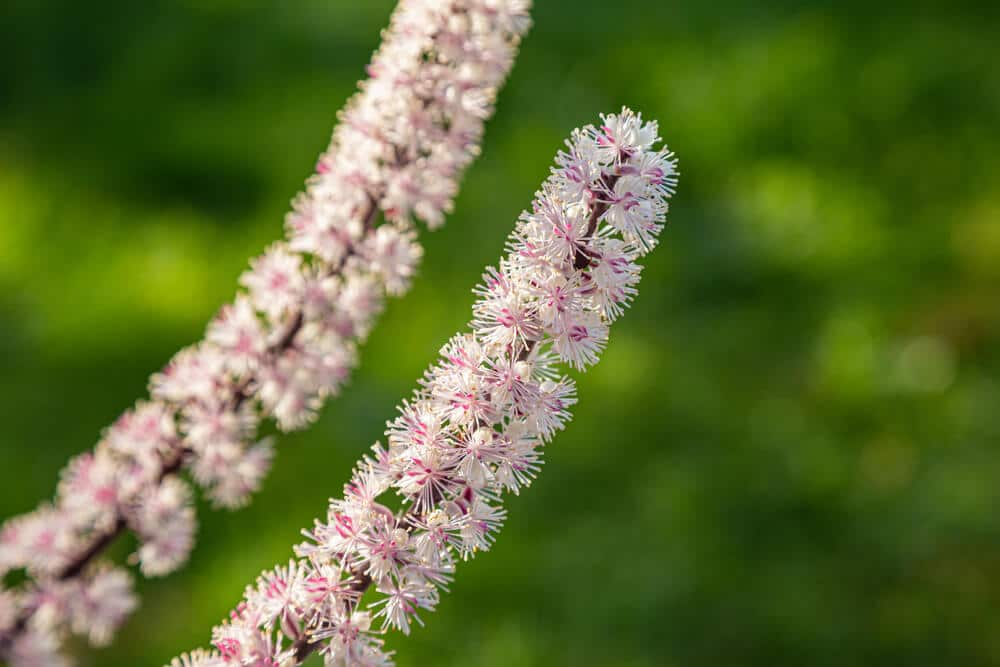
475 428
286 343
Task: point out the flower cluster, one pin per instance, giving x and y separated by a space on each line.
475 428
288 340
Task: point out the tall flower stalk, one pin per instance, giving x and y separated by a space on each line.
286 343
475 428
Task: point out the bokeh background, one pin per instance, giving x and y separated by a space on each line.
790 453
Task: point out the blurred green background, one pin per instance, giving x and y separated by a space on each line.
790 453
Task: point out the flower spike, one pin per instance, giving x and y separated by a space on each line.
477 424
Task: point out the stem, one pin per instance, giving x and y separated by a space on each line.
583 258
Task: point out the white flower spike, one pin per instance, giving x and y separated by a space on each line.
476 426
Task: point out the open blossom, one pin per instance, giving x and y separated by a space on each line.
230 474
289 340
41 541
164 520
104 601
275 281
143 434
238 330
478 422
393 255
90 488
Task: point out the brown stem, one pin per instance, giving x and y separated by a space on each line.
583 258
78 564
100 543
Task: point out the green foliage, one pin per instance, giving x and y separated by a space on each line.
789 454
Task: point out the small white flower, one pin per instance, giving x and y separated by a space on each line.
232 472
194 373
393 255
622 135
615 275
404 597
581 339
164 520
143 434
313 228
42 541
278 595
89 489
275 281
237 332
103 604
